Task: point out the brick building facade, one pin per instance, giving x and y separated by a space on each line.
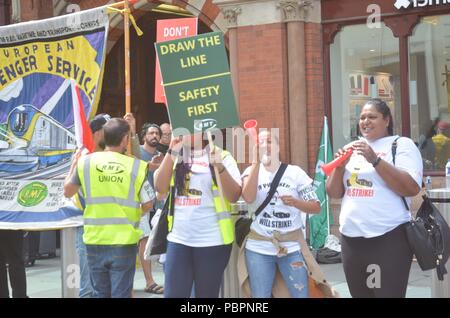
281 55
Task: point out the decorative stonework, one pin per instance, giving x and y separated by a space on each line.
295 10
15 11
230 15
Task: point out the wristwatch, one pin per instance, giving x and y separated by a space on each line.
376 162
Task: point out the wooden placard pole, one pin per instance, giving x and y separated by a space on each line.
121 3
216 171
126 20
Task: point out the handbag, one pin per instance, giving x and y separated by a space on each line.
429 237
242 225
158 244
428 234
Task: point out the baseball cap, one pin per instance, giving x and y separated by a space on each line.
98 122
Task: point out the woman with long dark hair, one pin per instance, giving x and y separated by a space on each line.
201 230
375 251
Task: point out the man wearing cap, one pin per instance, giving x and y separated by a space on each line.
115 190
100 120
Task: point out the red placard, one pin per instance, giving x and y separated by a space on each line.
171 29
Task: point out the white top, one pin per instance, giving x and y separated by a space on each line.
369 207
195 220
276 216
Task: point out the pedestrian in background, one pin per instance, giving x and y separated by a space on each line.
151 135
166 136
11 262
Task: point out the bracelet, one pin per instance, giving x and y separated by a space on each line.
220 172
376 162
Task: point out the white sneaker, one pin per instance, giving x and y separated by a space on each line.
162 258
332 242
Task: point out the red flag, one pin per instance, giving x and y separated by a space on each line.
83 133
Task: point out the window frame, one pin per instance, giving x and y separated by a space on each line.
402 26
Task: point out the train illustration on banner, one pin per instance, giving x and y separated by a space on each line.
30 141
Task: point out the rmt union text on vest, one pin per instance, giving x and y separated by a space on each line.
115 179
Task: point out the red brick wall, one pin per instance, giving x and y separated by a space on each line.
314 88
5 12
262 65
36 9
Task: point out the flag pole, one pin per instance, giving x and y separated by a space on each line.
326 156
126 20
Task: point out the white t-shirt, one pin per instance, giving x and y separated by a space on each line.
369 207
195 218
276 216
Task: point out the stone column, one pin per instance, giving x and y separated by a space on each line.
230 285
293 14
231 15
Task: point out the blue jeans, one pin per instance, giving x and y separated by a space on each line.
85 280
112 269
262 268
187 265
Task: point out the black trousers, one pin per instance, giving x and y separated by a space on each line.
377 267
11 253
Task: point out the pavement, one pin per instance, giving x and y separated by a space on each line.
44 280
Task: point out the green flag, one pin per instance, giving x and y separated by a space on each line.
319 224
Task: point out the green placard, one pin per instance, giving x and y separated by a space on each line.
197 83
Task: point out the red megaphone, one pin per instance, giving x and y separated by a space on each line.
250 126
329 167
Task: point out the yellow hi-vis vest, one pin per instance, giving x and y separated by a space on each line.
111 183
223 213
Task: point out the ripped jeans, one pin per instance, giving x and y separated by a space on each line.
262 268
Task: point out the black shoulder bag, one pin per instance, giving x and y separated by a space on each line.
159 243
242 225
428 234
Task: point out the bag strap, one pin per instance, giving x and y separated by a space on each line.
172 201
273 188
394 151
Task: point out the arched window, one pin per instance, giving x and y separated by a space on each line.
364 64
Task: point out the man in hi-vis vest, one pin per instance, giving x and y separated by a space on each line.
116 192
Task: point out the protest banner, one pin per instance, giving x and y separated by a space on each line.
40 61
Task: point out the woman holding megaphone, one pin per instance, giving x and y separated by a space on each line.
375 251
